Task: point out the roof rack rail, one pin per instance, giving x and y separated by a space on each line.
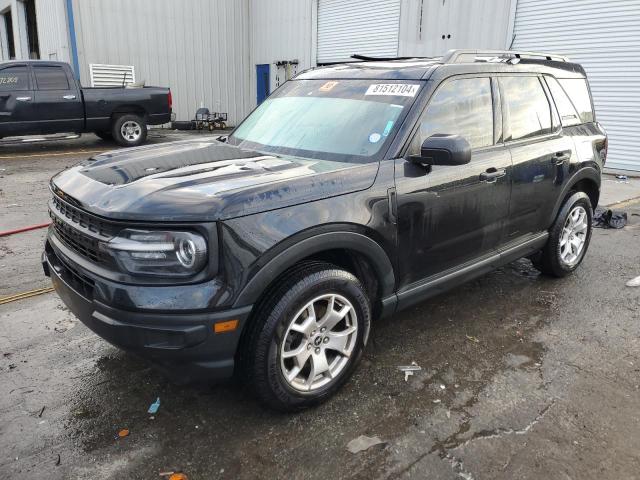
463 56
366 58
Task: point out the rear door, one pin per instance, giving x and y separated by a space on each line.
17 106
59 104
540 152
454 215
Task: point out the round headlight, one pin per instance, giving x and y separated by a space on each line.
186 252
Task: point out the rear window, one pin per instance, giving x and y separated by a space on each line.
51 78
14 78
527 112
578 92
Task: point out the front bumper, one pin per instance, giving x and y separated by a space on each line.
181 344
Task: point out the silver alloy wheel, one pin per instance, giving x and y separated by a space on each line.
574 236
131 131
318 342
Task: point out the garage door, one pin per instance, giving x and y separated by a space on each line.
605 38
364 27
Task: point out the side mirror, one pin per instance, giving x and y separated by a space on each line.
442 149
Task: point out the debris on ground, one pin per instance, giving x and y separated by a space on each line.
622 177
153 408
58 461
606 218
123 433
363 443
409 369
634 282
42 411
472 339
437 400
178 476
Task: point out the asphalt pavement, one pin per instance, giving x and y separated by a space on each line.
523 377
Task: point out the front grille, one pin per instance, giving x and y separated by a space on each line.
83 219
80 231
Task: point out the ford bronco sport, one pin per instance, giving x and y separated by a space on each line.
354 191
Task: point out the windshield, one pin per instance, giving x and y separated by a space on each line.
341 120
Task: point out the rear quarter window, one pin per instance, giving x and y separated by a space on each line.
14 78
568 114
578 92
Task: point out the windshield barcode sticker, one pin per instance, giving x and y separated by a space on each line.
400 89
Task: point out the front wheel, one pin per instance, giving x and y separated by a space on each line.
306 341
569 237
129 130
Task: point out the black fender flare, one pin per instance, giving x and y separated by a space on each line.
588 173
322 242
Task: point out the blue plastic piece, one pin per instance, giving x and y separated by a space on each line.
153 408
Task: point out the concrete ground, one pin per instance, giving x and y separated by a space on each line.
523 377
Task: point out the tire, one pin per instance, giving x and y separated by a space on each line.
106 136
561 255
270 337
129 130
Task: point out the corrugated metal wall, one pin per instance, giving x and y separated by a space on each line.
364 27
53 36
605 38
199 48
463 23
281 30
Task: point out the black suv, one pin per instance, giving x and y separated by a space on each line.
352 192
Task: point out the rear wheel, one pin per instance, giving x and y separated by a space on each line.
569 237
129 130
308 338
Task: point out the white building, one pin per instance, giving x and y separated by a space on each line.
229 54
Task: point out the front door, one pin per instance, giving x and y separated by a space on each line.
263 82
17 105
453 215
59 102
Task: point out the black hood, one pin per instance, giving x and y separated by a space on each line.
202 180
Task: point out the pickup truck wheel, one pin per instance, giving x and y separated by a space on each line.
129 130
569 237
308 338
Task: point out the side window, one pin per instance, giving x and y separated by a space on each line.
578 92
51 78
568 114
460 107
527 112
14 78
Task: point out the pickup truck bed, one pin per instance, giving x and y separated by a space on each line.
42 97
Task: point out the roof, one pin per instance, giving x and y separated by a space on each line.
460 61
32 62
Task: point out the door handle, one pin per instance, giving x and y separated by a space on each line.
492 174
560 157
23 99
69 97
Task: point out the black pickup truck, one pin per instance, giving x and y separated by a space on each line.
42 98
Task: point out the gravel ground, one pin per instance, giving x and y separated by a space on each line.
523 377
